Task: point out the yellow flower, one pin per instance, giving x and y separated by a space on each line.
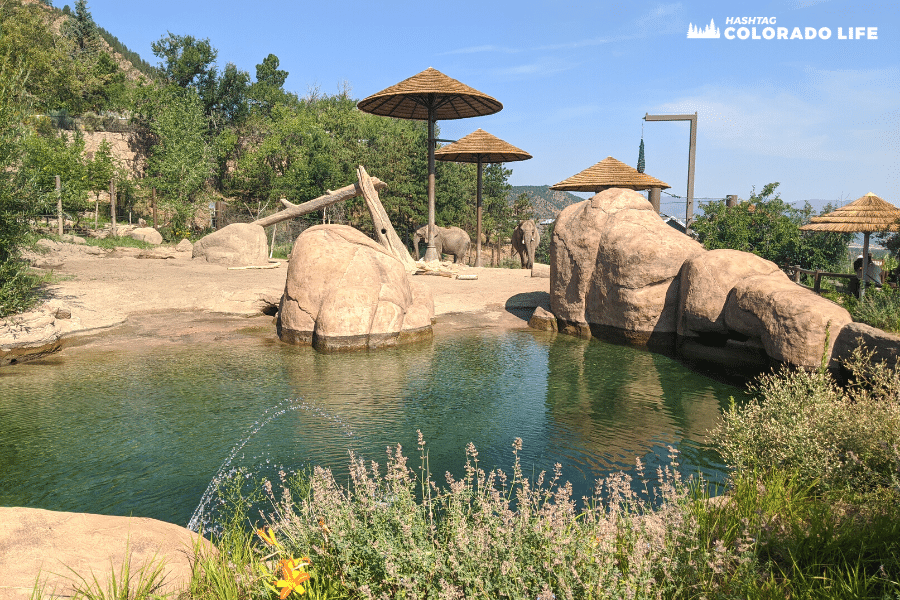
268 536
293 576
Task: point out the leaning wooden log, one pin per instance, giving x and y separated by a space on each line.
384 231
296 210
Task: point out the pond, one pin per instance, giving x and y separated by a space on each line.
139 424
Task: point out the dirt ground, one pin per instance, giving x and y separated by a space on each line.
176 294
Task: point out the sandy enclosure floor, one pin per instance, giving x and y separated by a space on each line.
177 297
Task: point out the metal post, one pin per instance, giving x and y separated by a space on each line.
689 211
59 212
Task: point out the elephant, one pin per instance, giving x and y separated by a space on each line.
447 240
525 241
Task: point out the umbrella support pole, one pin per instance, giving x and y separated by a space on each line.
431 250
478 219
865 266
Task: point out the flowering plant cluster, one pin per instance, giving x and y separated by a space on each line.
292 571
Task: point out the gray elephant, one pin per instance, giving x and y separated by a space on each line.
447 240
525 241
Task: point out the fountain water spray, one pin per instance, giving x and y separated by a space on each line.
269 415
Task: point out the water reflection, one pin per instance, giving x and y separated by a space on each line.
142 428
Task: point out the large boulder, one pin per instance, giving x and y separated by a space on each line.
706 280
235 245
884 346
147 234
36 333
60 550
615 267
793 323
345 292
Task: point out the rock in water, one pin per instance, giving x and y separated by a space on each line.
793 322
344 291
615 268
235 245
706 280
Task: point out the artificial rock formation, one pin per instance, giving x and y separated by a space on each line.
706 280
147 234
345 291
617 270
235 245
793 323
60 549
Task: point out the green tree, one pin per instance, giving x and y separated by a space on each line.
100 171
769 227
187 61
179 161
190 64
17 286
268 90
53 154
29 46
82 28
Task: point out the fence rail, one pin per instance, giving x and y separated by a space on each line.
795 271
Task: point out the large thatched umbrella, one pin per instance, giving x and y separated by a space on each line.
866 215
430 95
480 147
608 173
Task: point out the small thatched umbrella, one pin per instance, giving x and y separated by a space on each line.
430 95
608 173
866 215
480 147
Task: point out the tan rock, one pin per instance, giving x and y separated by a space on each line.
885 347
59 547
540 270
185 245
146 234
344 292
706 280
542 319
615 264
791 321
235 245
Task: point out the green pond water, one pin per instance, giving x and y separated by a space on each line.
139 425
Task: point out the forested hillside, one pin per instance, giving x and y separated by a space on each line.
547 203
200 129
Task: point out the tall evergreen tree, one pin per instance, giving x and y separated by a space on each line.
83 29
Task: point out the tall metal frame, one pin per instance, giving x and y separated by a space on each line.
689 211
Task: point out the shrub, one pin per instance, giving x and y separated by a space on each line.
19 287
879 308
804 423
397 534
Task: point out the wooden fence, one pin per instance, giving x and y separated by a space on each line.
795 271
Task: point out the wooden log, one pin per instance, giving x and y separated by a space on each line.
295 210
384 231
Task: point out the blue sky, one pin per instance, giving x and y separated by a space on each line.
821 116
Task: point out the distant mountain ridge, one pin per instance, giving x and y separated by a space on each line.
547 203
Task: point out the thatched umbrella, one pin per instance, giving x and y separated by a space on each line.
608 173
430 95
480 147
866 215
